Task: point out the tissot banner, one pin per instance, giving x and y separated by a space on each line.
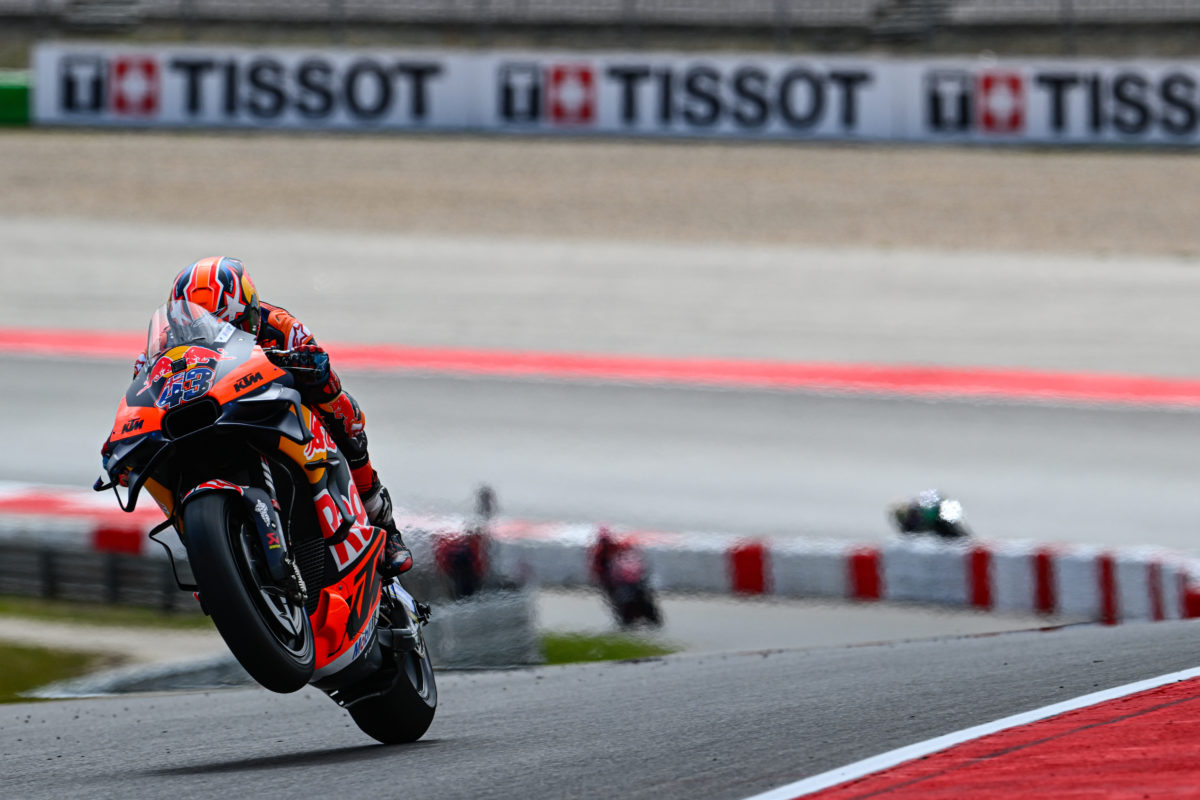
1071 102
637 94
207 87
690 95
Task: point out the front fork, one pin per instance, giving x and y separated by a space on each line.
280 561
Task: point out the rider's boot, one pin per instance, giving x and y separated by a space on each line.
396 558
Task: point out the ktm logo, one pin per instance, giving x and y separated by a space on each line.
132 425
246 381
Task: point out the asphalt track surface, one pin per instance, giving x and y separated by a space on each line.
674 458
712 726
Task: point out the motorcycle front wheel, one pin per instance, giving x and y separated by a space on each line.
267 633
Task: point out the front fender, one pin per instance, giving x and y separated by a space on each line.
261 508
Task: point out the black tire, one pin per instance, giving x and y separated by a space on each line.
406 712
268 635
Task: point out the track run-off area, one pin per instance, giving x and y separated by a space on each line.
495 307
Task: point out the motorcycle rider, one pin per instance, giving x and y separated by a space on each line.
604 552
929 512
618 568
220 285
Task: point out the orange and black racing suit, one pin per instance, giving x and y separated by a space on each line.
339 411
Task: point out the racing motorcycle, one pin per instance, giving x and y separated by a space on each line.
930 512
629 591
265 525
619 567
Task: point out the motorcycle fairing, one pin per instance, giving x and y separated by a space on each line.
344 619
142 435
152 385
313 454
344 622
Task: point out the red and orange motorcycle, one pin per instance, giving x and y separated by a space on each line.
271 532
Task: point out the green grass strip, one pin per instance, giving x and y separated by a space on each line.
24 668
573 648
98 614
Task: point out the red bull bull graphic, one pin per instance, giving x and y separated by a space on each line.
321 442
182 374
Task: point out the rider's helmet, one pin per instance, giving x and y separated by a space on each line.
221 285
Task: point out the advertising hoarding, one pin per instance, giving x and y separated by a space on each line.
750 96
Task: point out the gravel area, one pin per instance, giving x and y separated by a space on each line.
808 194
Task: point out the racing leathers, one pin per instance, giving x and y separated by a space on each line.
321 389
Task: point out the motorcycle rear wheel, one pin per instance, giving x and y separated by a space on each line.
404 713
269 635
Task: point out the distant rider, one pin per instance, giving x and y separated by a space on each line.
221 285
605 552
929 512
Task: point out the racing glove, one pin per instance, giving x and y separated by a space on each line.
309 363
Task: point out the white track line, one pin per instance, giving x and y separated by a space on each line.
884 761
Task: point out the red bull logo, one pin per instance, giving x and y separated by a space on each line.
321 441
161 369
180 360
194 356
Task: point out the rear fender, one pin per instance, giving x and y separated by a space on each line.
263 511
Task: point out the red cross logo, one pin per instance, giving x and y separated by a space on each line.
135 85
572 94
1001 99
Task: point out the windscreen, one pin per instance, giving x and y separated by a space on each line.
182 322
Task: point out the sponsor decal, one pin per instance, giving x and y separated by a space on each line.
122 85
1001 102
135 85
298 335
180 360
572 94
989 101
560 94
321 441
520 92
246 381
82 80
133 425
669 95
344 409
747 96
655 94
1066 102
360 643
260 508
1129 102
192 85
359 535
328 515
